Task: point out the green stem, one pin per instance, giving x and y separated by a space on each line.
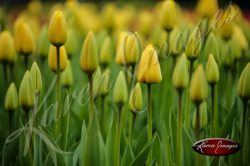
102 110
197 122
187 112
26 62
179 131
91 99
10 121
149 119
133 115
118 135
214 118
58 96
244 127
67 126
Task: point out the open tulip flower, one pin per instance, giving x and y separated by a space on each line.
125 83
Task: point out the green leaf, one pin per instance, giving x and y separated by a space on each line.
128 156
157 151
142 156
110 143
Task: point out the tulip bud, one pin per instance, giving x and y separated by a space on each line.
180 75
67 76
57 31
135 99
71 43
212 47
11 98
7 50
244 82
43 43
207 8
89 54
53 58
149 70
120 49
26 92
193 46
240 37
202 116
36 77
120 93
104 87
106 51
226 30
132 49
169 14
176 41
212 70
96 82
24 39
198 86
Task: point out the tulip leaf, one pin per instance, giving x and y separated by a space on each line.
142 156
128 156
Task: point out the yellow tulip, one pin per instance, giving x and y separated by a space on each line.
120 93
207 8
169 15
7 49
71 43
24 39
212 70
132 49
244 82
36 77
120 48
198 86
11 98
89 54
180 75
106 51
135 99
57 31
26 92
53 58
149 70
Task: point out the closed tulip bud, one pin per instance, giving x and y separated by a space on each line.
36 77
96 82
193 46
26 92
212 47
244 82
120 94
57 31
120 49
226 30
169 14
240 37
89 54
207 8
132 49
67 76
212 70
237 50
176 41
198 86
135 99
7 49
227 54
202 116
104 87
11 98
106 51
180 75
24 39
149 70
71 43
53 58
43 43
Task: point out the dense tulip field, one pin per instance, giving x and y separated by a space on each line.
123 83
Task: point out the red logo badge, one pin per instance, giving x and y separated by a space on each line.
216 146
